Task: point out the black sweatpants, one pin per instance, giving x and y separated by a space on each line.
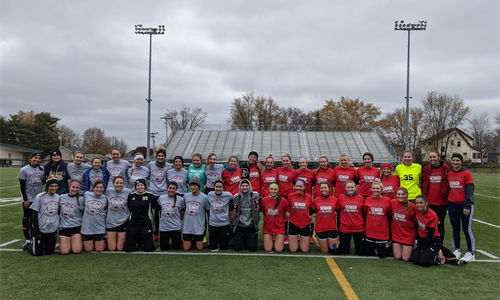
426 256
155 211
440 211
345 242
166 236
219 237
27 214
372 244
136 233
242 235
45 242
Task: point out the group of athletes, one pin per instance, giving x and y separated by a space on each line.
120 206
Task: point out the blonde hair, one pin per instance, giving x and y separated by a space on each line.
378 182
208 158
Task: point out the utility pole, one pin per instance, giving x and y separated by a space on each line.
166 128
153 134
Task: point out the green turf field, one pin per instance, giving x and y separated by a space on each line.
226 274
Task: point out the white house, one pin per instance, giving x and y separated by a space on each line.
452 141
15 154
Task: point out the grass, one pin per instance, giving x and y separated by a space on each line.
137 276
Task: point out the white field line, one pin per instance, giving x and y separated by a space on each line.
487 254
487 196
10 199
7 187
9 204
8 243
482 222
243 254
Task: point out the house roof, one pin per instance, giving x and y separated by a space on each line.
73 149
22 148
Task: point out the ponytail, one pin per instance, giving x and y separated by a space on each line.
278 200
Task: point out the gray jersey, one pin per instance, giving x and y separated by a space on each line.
158 178
118 212
95 175
47 207
170 214
70 212
34 179
180 177
137 173
213 174
94 218
117 169
78 173
219 208
194 216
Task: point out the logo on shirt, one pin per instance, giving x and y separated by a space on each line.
212 177
134 178
351 208
117 203
158 175
435 179
51 208
376 211
421 224
271 212
68 210
167 210
193 208
325 210
93 207
399 216
270 180
367 180
303 179
254 175
388 189
217 206
283 178
342 178
35 180
94 178
114 171
300 207
455 185
76 175
235 179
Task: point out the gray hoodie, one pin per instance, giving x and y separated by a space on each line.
246 208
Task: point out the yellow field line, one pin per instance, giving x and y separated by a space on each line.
346 287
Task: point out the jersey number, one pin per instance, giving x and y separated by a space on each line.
409 177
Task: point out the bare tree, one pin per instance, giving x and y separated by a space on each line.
120 144
293 118
253 112
394 127
349 112
95 141
69 136
442 113
186 118
479 128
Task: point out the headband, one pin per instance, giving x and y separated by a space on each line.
74 182
138 156
274 185
301 181
303 159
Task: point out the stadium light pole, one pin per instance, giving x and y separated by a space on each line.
421 25
140 30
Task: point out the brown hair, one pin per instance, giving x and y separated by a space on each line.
208 157
426 201
317 170
408 207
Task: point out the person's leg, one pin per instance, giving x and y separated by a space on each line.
131 239
293 243
417 253
88 245
76 243
268 242
223 237
27 213
50 242
155 211
454 214
199 241
100 243
111 240
441 211
279 243
304 244
407 252
186 244
164 240
176 239
147 238
238 239
381 250
323 246
397 249
467 228
213 237
369 247
121 240
252 239
359 238
345 242
37 245
64 244
428 257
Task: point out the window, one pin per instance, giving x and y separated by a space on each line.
465 153
459 143
430 143
452 143
455 134
476 155
423 155
442 149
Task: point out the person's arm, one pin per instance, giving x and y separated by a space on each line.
287 216
469 198
428 239
26 203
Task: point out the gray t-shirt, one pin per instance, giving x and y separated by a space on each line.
71 213
47 207
34 179
181 177
219 209
118 212
78 173
158 178
194 216
170 214
94 218
117 169
213 174
137 173
95 175
246 214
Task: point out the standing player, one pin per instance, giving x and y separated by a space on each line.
45 219
232 176
252 170
378 217
179 175
429 243
285 176
403 225
275 210
94 218
58 169
343 173
306 175
461 206
221 212
118 214
213 172
70 221
326 223
390 182
352 224
435 187
77 169
410 175
171 216
197 169
269 175
138 171
366 175
31 179
139 228
117 167
323 174
97 172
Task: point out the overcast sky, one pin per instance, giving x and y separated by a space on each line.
81 60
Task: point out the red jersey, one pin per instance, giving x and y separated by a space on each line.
274 218
307 176
430 220
341 176
458 181
285 181
254 178
268 177
366 177
435 184
299 209
351 213
326 219
232 180
390 184
403 223
377 224
327 175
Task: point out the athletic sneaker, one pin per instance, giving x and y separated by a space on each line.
204 240
457 253
230 243
311 240
25 247
215 250
286 241
441 257
469 256
155 238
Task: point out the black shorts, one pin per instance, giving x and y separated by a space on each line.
93 237
69 232
330 234
121 228
189 237
295 231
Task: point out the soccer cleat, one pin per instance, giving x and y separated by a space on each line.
441 257
457 253
215 250
25 246
204 240
230 242
469 256
155 238
311 240
286 241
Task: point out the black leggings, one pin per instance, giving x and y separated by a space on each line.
155 211
219 237
45 242
426 256
27 213
136 233
165 237
345 242
372 244
441 211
